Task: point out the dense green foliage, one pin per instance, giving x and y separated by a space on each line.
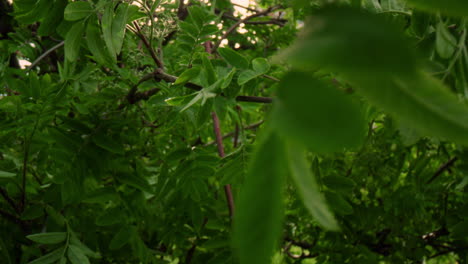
301 131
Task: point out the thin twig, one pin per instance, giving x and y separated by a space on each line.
442 168
219 142
45 54
233 27
140 34
273 21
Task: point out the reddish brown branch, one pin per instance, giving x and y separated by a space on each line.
219 142
140 34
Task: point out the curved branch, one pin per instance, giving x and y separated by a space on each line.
233 27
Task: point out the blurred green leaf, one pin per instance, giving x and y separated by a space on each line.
308 188
5 174
311 112
258 219
349 40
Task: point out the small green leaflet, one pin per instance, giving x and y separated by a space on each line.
308 188
450 7
77 10
106 23
260 66
188 75
106 142
446 43
76 255
73 41
95 42
234 58
122 237
50 257
48 238
118 26
258 219
5 174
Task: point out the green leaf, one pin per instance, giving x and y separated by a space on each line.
52 20
73 41
32 212
208 70
50 257
246 76
76 256
258 219
5 174
422 102
77 10
188 75
446 43
338 203
228 79
317 114
308 188
234 58
48 238
451 7
106 142
95 42
118 26
88 252
106 23
260 65
349 40
379 63
339 183
109 217
121 238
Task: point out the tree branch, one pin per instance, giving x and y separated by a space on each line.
219 142
140 34
9 200
45 54
233 27
442 168
273 21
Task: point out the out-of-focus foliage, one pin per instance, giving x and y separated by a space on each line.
344 125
